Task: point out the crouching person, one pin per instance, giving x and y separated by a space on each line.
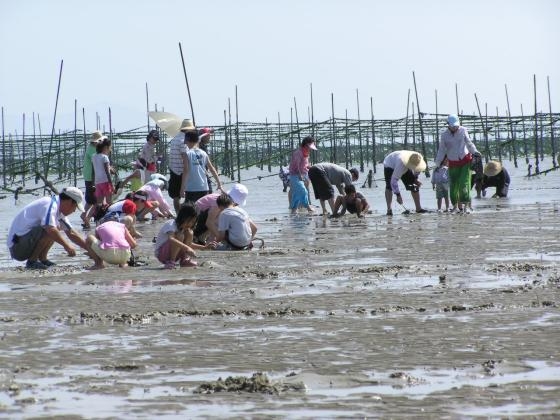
111 244
40 224
174 240
353 202
235 228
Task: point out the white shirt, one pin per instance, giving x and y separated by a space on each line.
99 160
235 221
454 145
42 212
393 160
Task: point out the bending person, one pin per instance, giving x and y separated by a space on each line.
405 165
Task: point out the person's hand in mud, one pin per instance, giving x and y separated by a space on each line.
399 199
211 245
70 250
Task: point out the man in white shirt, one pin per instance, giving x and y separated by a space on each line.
39 224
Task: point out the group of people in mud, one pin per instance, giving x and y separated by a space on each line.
458 166
216 220
198 220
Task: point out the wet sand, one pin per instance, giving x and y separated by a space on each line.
433 315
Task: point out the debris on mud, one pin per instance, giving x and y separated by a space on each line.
380 269
406 378
121 368
516 267
257 383
256 273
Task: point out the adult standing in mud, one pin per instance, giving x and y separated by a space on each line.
299 168
87 173
178 166
405 165
456 144
38 226
324 176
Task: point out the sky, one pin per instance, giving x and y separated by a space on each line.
272 52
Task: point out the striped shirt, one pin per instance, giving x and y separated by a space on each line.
177 148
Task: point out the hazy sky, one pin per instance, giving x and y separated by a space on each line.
272 51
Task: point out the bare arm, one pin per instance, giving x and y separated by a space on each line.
55 234
214 173
185 175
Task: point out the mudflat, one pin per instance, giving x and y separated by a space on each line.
424 315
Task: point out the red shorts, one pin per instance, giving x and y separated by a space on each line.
103 190
151 167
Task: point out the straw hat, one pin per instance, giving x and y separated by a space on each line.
96 137
413 160
187 125
492 168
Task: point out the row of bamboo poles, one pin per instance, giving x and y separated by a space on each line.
26 158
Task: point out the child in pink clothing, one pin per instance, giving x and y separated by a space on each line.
112 243
174 241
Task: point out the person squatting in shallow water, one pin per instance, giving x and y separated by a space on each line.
174 242
352 201
40 224
324 176
495 175
405 165
456 144
299 168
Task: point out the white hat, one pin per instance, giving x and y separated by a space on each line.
492 168
453 120
413 160
238 194
158 176
97 137
76 195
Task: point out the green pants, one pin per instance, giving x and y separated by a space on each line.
460 184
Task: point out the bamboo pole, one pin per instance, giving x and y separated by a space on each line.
148 106
373 140
75 142
512 133
360 134
436 136
35 160
525 145
405 145
536 127
24 157
4 163
333 140
47 164
552 142
237 136
312 116
427 171
484 129
187 82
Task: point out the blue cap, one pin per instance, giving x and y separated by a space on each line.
453 120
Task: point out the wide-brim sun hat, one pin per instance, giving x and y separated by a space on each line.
96 137
187 125
413 160
238 194
492 168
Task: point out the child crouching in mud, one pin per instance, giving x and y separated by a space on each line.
174 241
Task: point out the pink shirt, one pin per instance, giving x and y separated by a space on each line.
299 165
206 202
112 235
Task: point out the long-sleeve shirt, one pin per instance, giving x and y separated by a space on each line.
299 164
395 162
455 145
500 181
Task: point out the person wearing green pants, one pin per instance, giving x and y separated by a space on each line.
456 145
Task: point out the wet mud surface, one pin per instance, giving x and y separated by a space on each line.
433 315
